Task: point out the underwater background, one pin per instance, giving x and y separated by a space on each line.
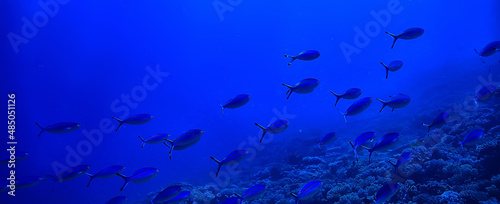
89 61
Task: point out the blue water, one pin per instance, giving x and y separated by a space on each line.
81 62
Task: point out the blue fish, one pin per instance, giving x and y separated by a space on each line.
351 93
360 140
398 101
19 156
106 173
140 176
58 128
472 137
183 195
308 191
490 49
69 174
357 107
232 200
438 122
236 102
327 138
274 128
134 120
386 192
233 158
252 192
186 140
303 87
386 142
307 55
408 34
402 160
484 93
117 200
393 66
166 194
155 139
22 183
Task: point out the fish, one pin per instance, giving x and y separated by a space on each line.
307 55
106 173
166 194
186 140
386 142
393 66
22 183
232 200
232 159
408 34
386 192
357 107
327 138
303 87
183 195
484 93
490 49
117 200
236 102
438 122
398 101
155 139
360 140
472 137
59 128
68 174
134 120
351 93
402 160
274 128
19 156
139 176
308 191
252 192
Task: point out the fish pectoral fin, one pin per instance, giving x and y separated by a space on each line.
294 195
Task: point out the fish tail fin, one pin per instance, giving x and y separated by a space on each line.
296 198
263 131
120 121
356 154
344 115
479 56
41 128
461 144
319 144
289 92
352 145
370 157
338 98
235 194
475 101
91 178
124 178
395 38
386 70
395 167
384 104
221 107
52 179
293 59
143 142
428 127
218 163
171 147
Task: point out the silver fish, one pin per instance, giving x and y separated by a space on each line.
232 159
393 66
274 128
303 87
236 102
155 139
307 55
186 140
106 173
398 101
410 33
69 174
134 120
351 93
59 128
140 176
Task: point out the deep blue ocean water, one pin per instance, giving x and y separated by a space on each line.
88 61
